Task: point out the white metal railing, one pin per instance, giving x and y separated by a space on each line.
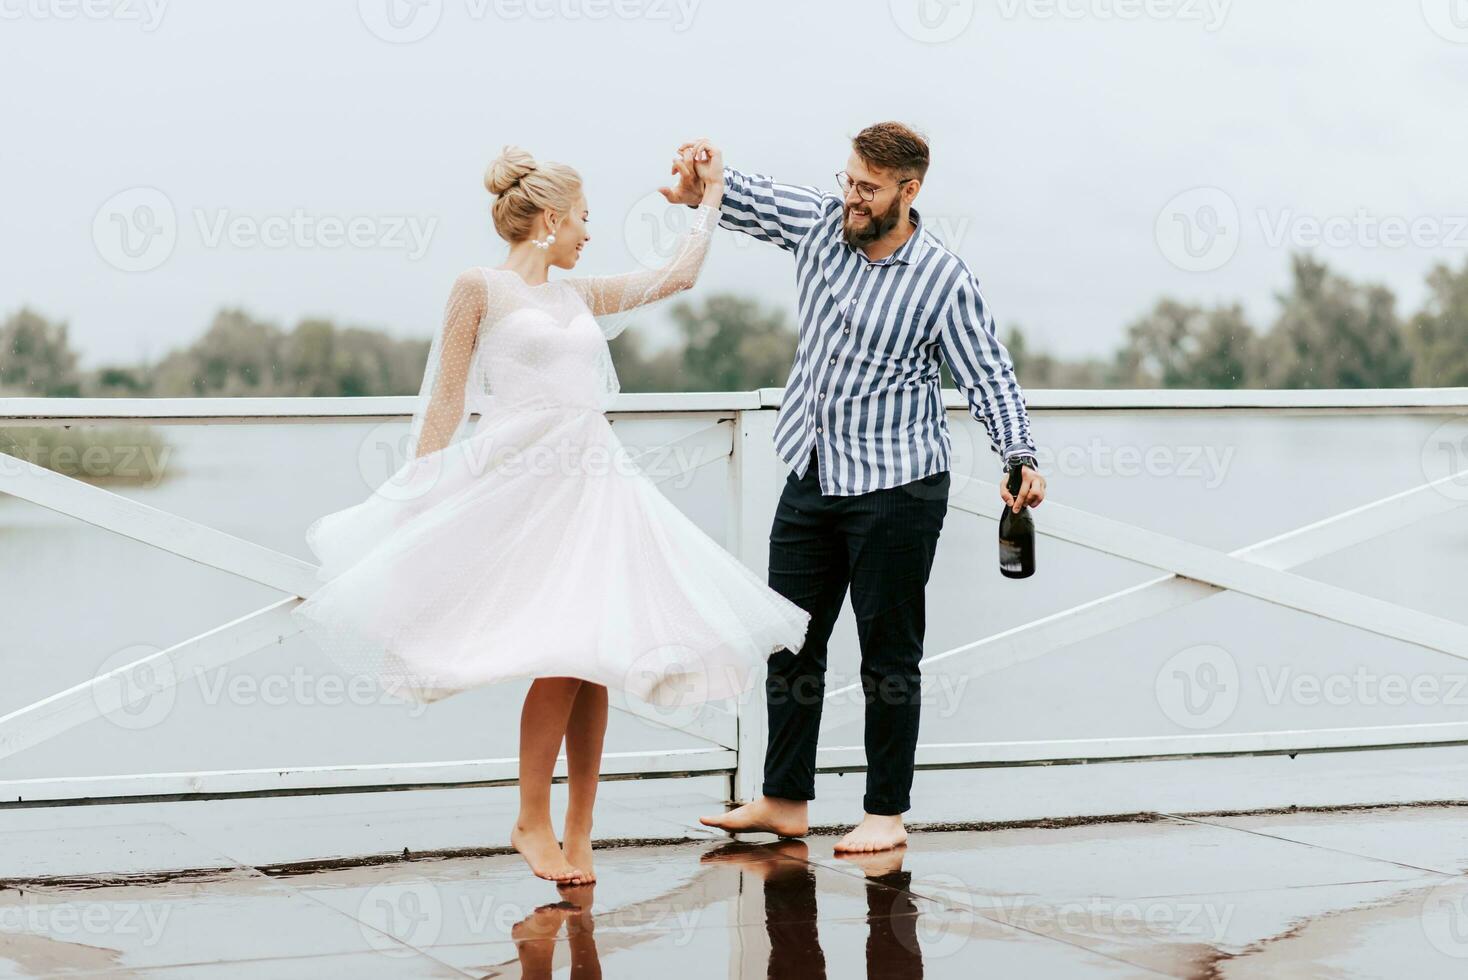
738 428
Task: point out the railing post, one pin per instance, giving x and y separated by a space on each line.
755 475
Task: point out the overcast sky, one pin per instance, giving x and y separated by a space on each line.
163 159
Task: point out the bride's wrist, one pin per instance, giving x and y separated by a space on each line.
713 193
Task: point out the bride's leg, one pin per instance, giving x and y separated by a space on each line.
542 727
584 735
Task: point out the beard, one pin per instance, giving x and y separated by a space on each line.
876 226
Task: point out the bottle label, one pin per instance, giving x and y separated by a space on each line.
1011 558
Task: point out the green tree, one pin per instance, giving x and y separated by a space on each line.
726 343
36 358
1333 333
1182 345
1438 335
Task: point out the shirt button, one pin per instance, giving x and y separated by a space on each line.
846 330
833 360
823 394
819 429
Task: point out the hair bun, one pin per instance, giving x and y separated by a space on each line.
507 169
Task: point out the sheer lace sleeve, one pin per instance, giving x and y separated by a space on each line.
442 406
609 295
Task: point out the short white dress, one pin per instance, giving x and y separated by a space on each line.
533 544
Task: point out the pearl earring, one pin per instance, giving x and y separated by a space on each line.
542 245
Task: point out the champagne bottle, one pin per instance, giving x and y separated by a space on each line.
1016 535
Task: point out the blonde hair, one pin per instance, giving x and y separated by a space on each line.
524 188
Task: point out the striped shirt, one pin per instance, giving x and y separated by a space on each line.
864 390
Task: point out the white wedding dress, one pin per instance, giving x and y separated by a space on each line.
533 545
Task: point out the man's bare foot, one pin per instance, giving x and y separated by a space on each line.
875 864
874 833
577 849
768 814
742 852
537 845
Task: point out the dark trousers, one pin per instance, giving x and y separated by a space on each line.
881 545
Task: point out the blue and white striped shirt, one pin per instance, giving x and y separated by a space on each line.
865 388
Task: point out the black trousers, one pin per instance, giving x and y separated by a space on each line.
880 545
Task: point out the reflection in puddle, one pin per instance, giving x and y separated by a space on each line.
788 887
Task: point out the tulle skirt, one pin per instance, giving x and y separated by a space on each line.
536 547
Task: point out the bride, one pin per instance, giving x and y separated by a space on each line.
532 545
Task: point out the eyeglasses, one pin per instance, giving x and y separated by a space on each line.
865 191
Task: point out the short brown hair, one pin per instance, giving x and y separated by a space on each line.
893 146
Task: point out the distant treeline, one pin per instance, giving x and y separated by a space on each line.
1329 332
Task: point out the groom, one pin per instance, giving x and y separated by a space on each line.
882 303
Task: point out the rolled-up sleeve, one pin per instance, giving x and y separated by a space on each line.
767 209
983 369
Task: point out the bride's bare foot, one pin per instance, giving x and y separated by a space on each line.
537 845
577 850
768 814
874 833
